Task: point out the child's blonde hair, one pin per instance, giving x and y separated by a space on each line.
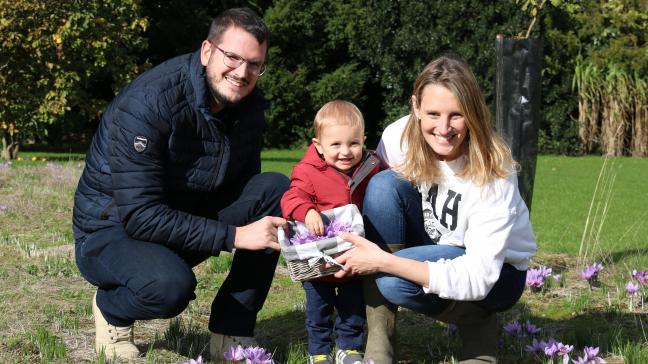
337 112
487 155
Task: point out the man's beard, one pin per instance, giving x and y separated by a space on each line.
219 97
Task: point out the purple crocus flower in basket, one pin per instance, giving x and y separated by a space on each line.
331 230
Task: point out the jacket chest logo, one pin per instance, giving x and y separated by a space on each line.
140 143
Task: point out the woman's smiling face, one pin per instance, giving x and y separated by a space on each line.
442 121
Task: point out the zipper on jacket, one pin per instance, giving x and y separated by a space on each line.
368 165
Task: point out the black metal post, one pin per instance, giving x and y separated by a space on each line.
517 103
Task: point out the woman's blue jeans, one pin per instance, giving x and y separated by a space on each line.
140 280
393 214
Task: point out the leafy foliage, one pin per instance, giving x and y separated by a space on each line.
309 64
62 62
603 47
63 55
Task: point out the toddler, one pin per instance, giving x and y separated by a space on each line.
334 172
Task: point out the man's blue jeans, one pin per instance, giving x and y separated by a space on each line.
139 280
393 214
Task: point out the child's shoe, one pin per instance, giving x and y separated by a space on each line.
320 359
348 357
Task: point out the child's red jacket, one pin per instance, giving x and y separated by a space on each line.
316 185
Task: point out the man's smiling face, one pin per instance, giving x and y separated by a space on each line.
230 85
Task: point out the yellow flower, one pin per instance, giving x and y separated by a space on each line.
57 39
34 158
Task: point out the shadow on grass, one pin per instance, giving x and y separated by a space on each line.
629 253
70 158
425 340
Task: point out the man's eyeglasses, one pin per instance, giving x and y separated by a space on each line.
233 60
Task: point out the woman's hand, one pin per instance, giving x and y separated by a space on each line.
365 258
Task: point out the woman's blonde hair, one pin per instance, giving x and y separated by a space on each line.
337 112
487 155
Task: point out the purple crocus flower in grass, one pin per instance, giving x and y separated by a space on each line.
5 164
331 230
535 277
590 273
235 353
642 277
198 360
513 328
632 288
540 346
3 208
557 349
257 355
530 328
591 356
535 346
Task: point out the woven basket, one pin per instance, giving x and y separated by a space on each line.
306 261
301 271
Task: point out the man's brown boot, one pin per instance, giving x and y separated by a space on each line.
477 329
114 341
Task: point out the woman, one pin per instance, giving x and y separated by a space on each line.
451 197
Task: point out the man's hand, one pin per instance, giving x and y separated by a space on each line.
314 222
365 258
261 234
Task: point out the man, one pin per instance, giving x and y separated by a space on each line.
172 178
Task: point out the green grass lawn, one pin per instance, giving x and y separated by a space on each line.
563 193
45 313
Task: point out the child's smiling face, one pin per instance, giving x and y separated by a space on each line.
340 146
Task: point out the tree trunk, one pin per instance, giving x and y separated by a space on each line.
9 147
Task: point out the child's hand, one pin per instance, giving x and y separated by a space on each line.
314 222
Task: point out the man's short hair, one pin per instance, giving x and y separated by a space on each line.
243 18
337 112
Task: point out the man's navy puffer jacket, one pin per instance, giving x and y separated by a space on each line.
194 162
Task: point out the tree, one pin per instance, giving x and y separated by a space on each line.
398 38
63 56
309 64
